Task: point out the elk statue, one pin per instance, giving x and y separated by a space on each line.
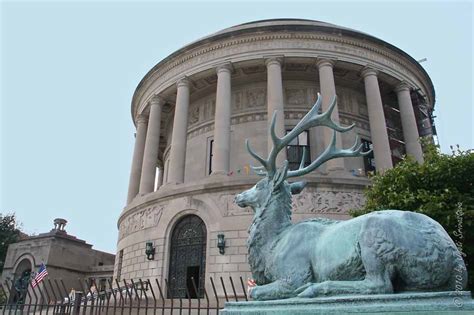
380 252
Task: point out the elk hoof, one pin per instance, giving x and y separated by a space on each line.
309 292
303 287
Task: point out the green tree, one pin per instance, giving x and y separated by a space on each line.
9 233
441 188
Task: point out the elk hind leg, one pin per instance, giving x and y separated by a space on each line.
377 280
276 290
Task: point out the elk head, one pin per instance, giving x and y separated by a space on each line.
275 178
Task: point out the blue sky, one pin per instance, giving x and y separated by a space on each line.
69 70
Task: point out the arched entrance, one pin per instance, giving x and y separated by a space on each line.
20 282
187 258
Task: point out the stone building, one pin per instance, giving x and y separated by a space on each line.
65 256
194 110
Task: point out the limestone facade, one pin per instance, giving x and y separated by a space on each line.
194 110
65 256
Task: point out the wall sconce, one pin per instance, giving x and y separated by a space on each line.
149 251
221 243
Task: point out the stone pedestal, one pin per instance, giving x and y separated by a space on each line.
445 303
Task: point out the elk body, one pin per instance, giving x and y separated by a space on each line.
381 252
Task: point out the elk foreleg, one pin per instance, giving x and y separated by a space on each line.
279 289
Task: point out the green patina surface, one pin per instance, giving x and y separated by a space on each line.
451 302
383 252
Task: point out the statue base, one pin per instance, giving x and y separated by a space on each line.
452 302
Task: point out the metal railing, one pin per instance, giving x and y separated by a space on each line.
139 296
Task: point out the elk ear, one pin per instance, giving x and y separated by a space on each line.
280 174
297 187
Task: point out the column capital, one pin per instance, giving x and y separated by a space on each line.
157 100
325 62
269 60
227 67
402 86
142 119
184 81
368 71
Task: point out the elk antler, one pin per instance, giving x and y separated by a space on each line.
310 120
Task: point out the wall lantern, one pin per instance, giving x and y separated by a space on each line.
221 243
149 251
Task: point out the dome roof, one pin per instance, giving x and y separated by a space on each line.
289 25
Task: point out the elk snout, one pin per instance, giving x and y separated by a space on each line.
240 200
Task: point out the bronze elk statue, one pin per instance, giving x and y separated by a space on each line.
380 252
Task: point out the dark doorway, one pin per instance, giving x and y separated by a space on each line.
192 275
187 258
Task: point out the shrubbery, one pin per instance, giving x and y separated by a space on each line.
442 188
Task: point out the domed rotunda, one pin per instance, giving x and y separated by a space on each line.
195 108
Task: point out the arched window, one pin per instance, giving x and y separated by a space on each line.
188 258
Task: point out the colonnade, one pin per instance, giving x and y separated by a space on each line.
146 148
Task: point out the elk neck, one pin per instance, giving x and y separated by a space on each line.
269 221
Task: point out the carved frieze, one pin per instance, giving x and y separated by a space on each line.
255 98
312 201
143 219
296 96
309 201
194 115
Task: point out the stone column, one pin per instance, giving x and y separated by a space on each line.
160 177
137 159
407 116
275 102
221 147
152 144
179 137
378 127
328 91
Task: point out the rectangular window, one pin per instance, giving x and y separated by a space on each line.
369 160
210 150
294 150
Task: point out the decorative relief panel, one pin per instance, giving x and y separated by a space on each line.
202 110
194 115
226 204
140 220
312 201
249 99
349 120
296 97
209 109
255 98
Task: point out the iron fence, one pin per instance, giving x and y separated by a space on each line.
146 296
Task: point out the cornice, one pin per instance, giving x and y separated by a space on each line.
391 55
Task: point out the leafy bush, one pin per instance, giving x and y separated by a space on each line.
9 233
441 188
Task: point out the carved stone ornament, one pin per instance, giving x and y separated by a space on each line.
143 219
381 252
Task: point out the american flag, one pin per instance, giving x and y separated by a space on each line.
42 272
251 283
